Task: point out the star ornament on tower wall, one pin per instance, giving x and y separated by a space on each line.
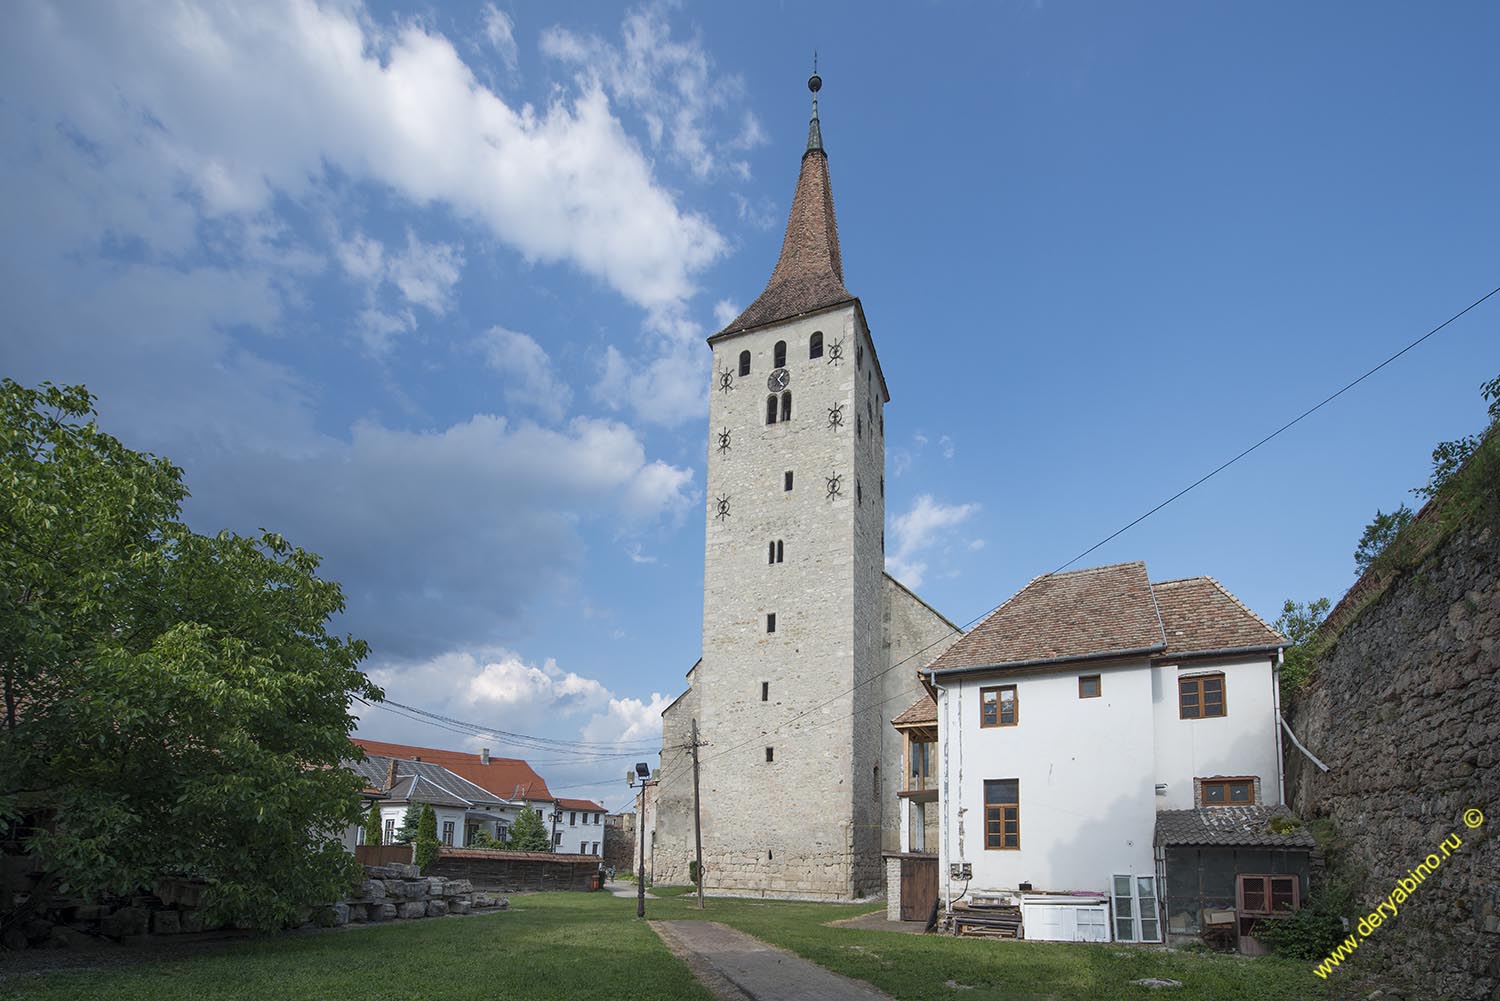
726 380
721 507
723 441
835 416
836 352
835 486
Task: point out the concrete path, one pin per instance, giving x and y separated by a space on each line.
736 967
620 888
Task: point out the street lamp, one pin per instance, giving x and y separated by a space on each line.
643 772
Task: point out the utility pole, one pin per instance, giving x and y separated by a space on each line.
641 771
553 846
697 816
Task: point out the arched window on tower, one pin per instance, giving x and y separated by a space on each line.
775 552
815 345
786 405
771 409
744 363
778 355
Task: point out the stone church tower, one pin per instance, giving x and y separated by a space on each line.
792 695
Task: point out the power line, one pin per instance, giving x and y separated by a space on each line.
1113 535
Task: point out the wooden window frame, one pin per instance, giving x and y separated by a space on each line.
1267 886
918 781
1015 701
744 363
1226 782
815 345
1098 681
998 814
778 355
447 836
1195 682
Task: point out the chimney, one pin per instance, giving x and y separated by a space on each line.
390 774
484 755
416 757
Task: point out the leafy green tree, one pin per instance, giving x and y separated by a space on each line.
1299 624
1449 456
170 703
1378 536
410 821
528 833
427 842
372 825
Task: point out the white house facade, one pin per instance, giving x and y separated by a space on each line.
580 827
1074 717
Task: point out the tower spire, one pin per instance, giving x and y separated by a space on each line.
814 128
809 274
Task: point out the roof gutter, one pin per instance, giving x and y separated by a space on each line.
1045 661
1228 651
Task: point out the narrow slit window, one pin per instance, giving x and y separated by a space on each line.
770 754
770 622
765 691
786 482
859 356
786 405
859 426
882 486
775 552
859 493
815 345
770 410
778 356
744 363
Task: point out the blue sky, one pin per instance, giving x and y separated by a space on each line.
425 287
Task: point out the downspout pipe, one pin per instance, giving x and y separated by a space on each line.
944 802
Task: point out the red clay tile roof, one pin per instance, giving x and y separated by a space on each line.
580 804
1199 615
924 710
505 778
1080 613
809 275
1110 609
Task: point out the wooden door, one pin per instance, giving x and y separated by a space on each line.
919 887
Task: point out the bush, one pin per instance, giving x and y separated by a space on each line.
410 821
372 825
427 842
1308 934
693 872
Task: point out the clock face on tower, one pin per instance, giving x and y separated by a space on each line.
779 380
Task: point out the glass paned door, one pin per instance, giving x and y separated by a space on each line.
1145 892
1124 910
1137 917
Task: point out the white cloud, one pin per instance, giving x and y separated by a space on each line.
233 106
426 273
501 32
499 689
975 545
636 556
918 530
671 83
667 389
946 445
529 378
725 310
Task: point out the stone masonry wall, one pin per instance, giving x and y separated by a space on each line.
1405 709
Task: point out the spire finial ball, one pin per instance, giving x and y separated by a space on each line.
815 83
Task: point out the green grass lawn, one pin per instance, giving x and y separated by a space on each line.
918 967
572 945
